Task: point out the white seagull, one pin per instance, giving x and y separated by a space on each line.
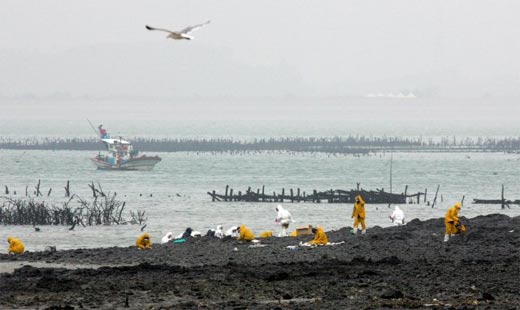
182 34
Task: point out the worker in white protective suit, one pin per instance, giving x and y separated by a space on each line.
167 238
219 233
232 231
397 216
283 218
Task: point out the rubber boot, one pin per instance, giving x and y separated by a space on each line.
446 237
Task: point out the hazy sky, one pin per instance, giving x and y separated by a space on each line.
260 49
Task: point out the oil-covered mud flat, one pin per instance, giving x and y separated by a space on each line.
406 267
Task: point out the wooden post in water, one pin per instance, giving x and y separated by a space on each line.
391 157
503 200
462 200
226 194
6 190
274 197
425 191
283 194
405 192
213 196
435 198
298 194
67 189
292 196
263 195
49 193
230 194
38 193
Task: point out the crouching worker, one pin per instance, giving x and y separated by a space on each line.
245 233
144 242
219 233
15 245
320 237
167 238
397 216
452 222
266 234
358 214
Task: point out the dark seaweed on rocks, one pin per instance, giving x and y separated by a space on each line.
397 267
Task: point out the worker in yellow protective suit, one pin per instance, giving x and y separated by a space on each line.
320 237
358 214
144 242
15 245
245 233
266 234
452 222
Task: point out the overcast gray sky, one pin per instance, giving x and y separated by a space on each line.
260 49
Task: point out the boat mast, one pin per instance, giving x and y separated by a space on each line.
391 157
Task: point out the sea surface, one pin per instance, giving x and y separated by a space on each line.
174 194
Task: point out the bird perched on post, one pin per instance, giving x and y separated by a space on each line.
179 35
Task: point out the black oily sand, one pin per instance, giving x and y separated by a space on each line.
406 267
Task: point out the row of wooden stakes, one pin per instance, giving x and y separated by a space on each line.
329 196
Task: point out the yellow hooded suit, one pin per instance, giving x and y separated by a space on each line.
358 213
246 233
15 245
144 242
320 238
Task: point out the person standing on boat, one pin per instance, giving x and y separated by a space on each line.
358 214
103 132
283 218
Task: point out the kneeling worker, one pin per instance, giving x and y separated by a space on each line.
144 242
452 222
320 237
245 233
15 245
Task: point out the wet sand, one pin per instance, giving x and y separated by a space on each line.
396 267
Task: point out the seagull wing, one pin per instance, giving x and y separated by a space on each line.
159 29
192 28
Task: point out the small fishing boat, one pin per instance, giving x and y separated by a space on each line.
122 156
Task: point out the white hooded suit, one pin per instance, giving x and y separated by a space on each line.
283 217
397 216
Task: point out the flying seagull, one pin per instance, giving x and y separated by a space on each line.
182 34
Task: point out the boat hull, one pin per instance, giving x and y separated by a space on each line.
142 163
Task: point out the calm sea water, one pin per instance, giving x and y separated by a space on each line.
174 194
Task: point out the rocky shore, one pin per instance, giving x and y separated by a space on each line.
406 267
